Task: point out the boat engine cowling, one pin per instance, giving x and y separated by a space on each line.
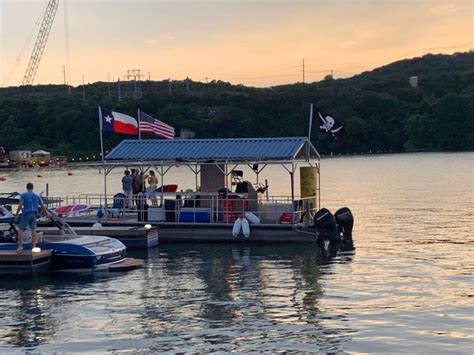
345 223
326 224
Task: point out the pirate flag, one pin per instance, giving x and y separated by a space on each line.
329 124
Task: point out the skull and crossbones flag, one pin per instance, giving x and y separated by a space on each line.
329 124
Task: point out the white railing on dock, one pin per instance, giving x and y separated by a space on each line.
193 207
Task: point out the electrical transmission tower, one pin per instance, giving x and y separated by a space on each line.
130 88
40 43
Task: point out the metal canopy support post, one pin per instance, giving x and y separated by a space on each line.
162 171
162 174
318 185
196 171
292 182
226 172
292 179
257 171
219 167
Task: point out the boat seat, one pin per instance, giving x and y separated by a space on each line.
117 208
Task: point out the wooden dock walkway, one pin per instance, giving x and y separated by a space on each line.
24 262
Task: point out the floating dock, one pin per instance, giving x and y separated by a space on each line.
24 262
126 265
133 234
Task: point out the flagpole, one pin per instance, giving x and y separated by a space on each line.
309 131
139 130
103 160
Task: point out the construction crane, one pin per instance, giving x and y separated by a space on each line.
40 43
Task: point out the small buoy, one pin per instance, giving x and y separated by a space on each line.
39 175
69 173
2 178
97 225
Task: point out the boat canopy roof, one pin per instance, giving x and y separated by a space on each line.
40 152
224 150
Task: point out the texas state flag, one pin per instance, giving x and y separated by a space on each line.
117 122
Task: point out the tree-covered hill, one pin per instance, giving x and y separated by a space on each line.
380 110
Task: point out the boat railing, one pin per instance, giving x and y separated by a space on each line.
195 207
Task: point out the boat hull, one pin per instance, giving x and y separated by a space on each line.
74 263
81 254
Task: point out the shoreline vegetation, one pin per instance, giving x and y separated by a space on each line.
382 110
93 164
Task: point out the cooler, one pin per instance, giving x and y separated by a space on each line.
156 214
198 215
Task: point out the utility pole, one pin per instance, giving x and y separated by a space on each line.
206 78
332 85
303 71
108 82
187 84
83 90
149 76
64 74
119 92
169 86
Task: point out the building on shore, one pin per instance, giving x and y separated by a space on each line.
59 160
41 158
20 157
3 158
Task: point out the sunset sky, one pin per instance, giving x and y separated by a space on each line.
258 43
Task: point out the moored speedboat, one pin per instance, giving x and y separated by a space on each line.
77 253
83 252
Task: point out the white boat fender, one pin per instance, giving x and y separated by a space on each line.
252 218
237 227
245 227
97 225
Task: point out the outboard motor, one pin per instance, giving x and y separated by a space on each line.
326 224
345 223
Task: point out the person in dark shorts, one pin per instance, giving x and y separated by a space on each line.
138 180
29 204
127 188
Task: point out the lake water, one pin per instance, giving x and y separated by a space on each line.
407 287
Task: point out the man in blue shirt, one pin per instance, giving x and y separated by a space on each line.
29 203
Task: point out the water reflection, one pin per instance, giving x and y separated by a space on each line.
259 297
25 306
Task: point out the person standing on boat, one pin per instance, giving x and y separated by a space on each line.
127 188
151 190
29 205
137 185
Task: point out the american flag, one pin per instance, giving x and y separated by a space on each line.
150 124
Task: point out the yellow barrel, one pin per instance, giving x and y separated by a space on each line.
308 181
308 178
